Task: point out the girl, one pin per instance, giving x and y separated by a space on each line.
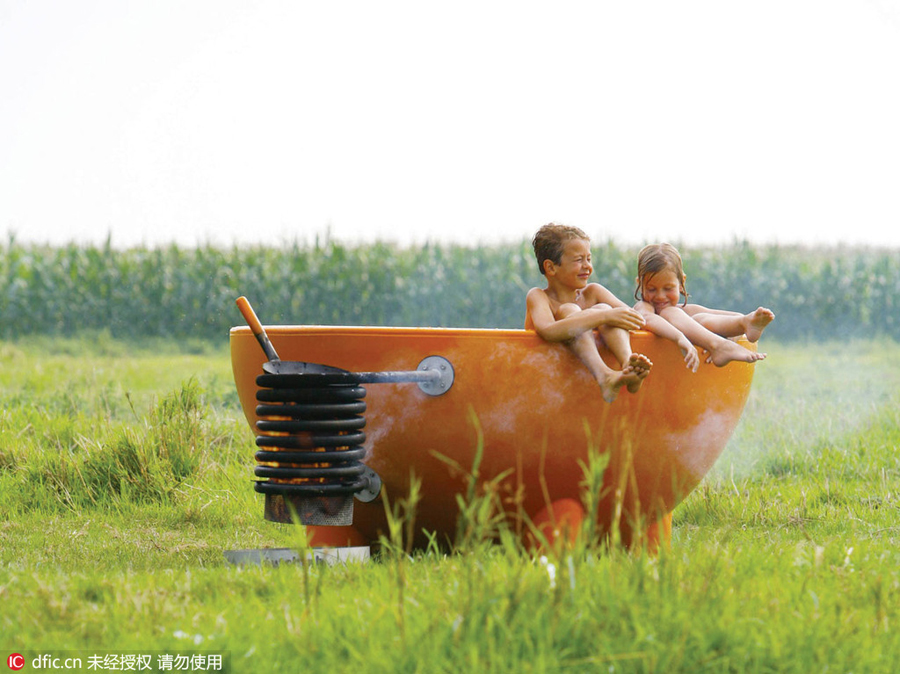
660 285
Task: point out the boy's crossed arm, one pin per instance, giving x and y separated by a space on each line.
541 318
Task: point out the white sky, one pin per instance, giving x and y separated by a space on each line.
231 121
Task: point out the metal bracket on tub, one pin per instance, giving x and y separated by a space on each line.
440 385
372 487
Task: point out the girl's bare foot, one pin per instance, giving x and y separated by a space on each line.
727 351
757 322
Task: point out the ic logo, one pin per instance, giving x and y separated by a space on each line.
15 661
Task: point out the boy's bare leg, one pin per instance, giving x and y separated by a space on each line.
636 370
585 347
635 366
610 380
721 351
730 324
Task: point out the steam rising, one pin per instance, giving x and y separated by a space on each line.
807 396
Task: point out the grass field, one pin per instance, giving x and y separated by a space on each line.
125 473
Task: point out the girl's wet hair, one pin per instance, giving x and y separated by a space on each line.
550 241
658 257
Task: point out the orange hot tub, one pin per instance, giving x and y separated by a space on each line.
538 409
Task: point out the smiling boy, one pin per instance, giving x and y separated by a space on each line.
570 308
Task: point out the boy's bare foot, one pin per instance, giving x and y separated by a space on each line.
727 351
610 386
757 322
635 371
631 376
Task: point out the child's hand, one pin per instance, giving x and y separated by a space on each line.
689 351
622 317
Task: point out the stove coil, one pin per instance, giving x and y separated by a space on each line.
310 443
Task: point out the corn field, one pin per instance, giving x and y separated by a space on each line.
190 292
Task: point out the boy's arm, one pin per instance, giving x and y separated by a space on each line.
547 326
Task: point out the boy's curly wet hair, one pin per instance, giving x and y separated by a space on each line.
550 240
659 257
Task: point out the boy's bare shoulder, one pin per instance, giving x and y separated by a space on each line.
594 293
536 294
537 303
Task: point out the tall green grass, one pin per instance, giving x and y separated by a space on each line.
189 292
785 559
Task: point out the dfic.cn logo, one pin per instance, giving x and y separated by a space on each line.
15 661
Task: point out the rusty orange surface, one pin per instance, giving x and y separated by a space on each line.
539 411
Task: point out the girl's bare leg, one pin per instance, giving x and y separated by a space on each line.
757 322
732 324
721 351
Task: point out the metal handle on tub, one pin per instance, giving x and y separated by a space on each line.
257 328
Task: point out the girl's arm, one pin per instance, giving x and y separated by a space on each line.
661 327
